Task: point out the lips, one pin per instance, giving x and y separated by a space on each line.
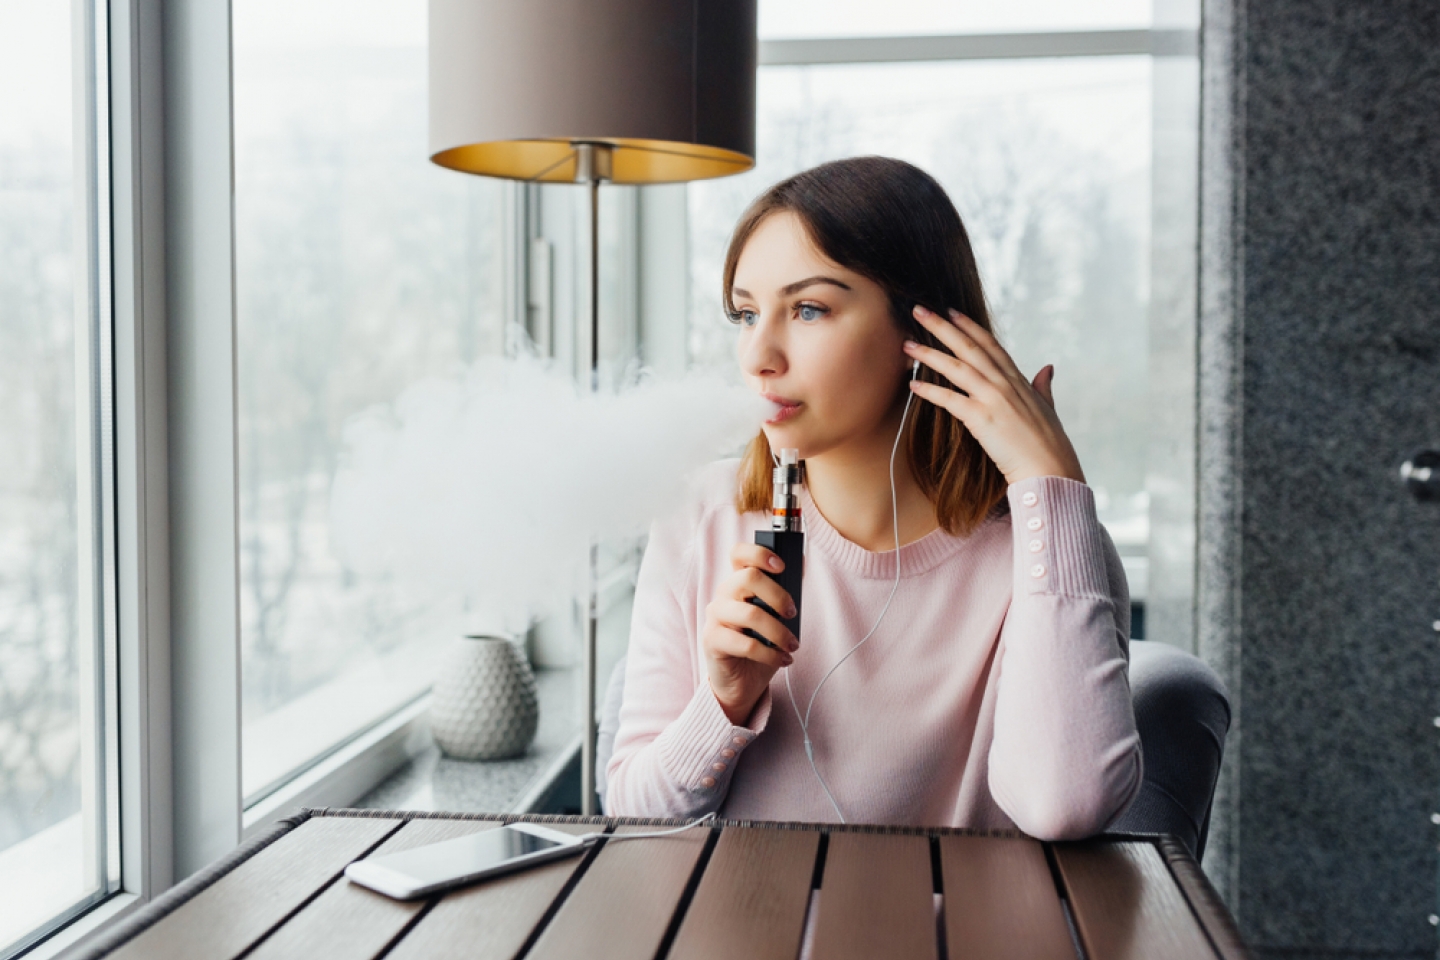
783 408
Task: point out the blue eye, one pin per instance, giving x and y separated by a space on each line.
744 318
810 312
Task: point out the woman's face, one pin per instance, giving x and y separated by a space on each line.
816 338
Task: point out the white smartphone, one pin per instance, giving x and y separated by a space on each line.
452 863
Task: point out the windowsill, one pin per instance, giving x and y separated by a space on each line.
431 781
41 877
114 909
288 740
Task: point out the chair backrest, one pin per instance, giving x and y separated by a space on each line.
609 724
1182 711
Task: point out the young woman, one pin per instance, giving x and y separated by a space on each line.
993 692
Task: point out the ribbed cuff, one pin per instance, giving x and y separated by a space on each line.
1059 546
700 749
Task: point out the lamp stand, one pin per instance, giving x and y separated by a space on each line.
592 165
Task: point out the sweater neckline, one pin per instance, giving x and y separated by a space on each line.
916 558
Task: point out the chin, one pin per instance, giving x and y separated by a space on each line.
780 438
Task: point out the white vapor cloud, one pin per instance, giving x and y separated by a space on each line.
493 484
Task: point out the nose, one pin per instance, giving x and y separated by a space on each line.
762 354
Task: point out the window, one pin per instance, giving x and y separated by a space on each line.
559 324
1049 161
360 269
58 784
863 18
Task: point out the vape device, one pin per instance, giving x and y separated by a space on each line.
785 539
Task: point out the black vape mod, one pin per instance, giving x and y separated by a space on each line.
785 539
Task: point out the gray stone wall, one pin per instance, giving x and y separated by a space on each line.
1319 369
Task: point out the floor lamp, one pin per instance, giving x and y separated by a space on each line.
588 91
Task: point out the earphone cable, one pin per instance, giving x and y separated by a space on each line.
699 821
895 523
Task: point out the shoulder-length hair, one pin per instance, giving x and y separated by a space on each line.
891 222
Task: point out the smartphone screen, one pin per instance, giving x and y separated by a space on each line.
464 856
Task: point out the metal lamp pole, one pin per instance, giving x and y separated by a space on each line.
592 166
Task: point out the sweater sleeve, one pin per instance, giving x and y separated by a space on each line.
675 750
1065 760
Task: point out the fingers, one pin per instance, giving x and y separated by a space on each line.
952 368
730 615
964 409
985 340
741 615
978 347
754 555
748 582
728 621
964 338
1043 383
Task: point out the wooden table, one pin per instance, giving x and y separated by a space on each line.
737 890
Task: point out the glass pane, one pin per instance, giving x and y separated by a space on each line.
1049 165
52 827
361 268
915 18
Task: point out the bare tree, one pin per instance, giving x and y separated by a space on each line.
39 628
361 269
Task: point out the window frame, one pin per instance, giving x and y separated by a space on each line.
176 638
116 474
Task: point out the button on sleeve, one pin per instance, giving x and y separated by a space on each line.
1068 559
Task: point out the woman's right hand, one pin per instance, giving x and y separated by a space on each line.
740 667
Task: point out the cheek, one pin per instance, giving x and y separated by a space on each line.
851 379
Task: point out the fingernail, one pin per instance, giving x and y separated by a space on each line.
776 564
910 346
794 644
790 611
787 659
920 311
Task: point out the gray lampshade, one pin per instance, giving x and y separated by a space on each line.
668 84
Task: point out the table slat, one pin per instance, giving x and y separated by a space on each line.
751 901
623 905
1126 903
347 920
490 920
1000 901
1208 906
877 899
245 904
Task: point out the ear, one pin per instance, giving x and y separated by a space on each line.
1043 381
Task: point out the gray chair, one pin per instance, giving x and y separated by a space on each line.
1182 712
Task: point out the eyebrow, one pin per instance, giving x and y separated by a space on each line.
797 286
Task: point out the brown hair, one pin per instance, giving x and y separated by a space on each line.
891 222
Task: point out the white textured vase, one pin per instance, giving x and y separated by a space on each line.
484 705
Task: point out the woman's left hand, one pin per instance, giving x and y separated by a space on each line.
1012 418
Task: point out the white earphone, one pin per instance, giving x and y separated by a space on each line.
895 522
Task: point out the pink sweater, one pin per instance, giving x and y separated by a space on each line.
994 694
